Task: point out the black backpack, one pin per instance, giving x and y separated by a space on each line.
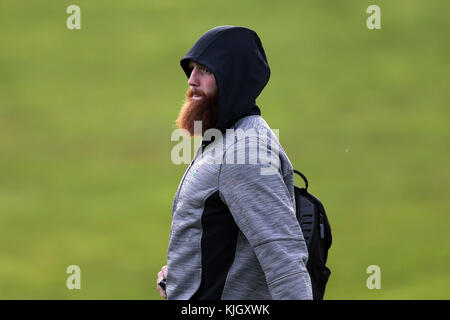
317 233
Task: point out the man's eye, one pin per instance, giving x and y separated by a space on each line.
205 70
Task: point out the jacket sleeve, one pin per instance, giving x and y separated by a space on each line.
264 212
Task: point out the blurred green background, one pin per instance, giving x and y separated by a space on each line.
86 117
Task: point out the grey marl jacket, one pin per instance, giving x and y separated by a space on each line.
234 232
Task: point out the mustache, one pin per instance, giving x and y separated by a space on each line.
194 91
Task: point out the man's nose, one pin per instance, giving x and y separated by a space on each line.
193 79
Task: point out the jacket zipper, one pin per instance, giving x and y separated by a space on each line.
184 176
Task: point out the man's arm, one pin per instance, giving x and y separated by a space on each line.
264 211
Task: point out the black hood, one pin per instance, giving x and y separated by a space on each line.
237 59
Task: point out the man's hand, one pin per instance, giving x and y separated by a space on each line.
161 275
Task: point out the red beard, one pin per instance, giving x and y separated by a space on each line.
205 110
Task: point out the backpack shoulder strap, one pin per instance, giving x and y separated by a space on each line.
303 177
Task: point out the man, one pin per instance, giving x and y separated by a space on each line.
234 233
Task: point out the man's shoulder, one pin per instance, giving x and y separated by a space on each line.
255 122
250 126
253 126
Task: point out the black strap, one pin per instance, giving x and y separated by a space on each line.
303 177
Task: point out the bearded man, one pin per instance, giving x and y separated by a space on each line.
201 100
234 233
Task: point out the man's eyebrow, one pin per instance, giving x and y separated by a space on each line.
193 64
